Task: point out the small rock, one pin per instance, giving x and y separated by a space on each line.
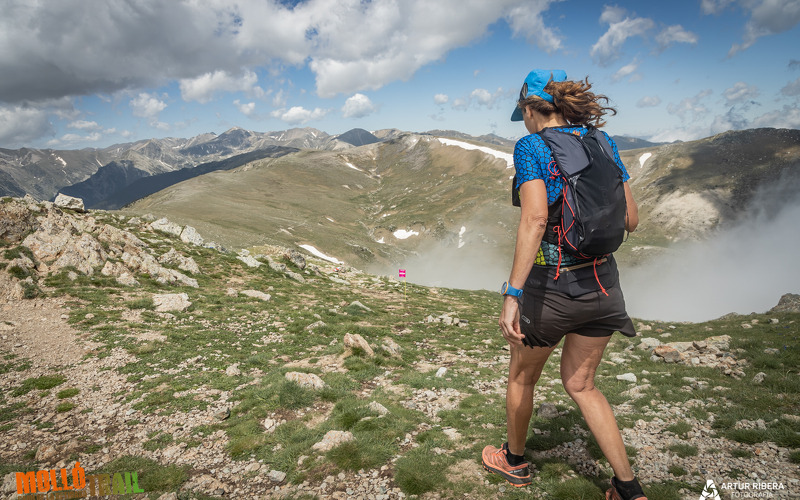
547 410
649 343
391 347
451 433
332 439
359 305
441 372
222 414
257 295
233 370
269 424
316 324
378 408
276 476
627 377
759 378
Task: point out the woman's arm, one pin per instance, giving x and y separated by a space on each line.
532 225
632 214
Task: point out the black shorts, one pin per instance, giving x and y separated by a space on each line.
550 309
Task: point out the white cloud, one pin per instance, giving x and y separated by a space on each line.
460 104
690 106
364 45
648 102
84 125
526 20
740 92
792 89
70 139
20 125
714 6
767 17
482 97
203 88
675 34
246 108
298 115
608 47
358 106
629 70
441 99
788 117
147 105
103 46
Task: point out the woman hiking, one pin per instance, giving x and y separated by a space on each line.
559 295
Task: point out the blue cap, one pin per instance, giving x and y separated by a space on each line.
534 84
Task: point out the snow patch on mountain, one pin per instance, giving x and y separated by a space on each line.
313 251
402 234
507 157
644 158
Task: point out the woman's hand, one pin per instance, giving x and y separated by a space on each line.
509 321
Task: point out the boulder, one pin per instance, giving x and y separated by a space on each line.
175 258
306 380
191 236
166 302
16 220
391 347
69 202
113 235
84 253
296 258
165 226
789 302
668 353
356 341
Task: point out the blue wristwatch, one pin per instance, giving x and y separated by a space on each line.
510 290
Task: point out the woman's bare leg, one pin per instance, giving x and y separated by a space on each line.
523 373
579 361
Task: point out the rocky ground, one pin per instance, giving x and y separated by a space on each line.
427 377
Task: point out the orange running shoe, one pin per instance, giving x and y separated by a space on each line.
495 460
613 494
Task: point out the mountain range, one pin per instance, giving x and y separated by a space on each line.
383 198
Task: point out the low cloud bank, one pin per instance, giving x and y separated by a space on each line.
743 269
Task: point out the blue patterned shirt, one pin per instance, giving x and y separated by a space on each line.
531 160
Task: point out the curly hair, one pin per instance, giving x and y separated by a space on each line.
573 100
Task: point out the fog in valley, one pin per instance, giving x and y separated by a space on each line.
743 268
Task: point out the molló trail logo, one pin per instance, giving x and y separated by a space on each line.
710 491
53 484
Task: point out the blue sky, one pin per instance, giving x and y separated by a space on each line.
90 73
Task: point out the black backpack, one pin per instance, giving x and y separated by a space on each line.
588 219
